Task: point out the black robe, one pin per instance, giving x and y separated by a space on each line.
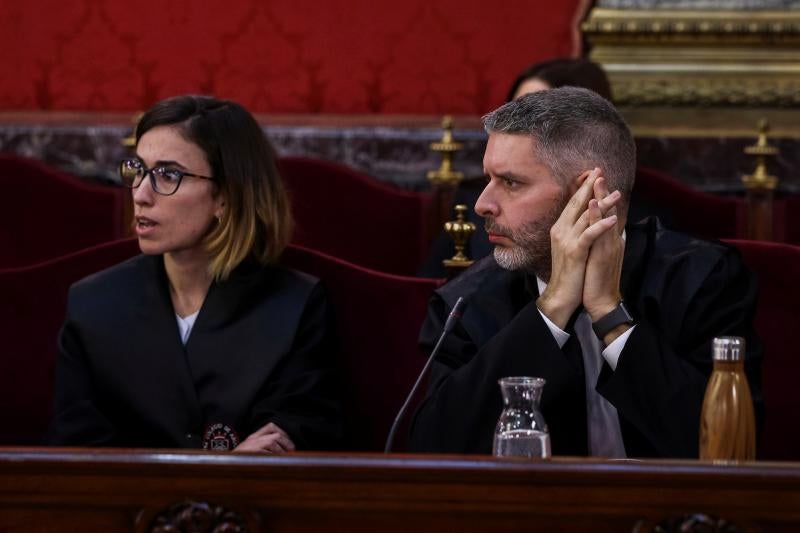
260 351
682 293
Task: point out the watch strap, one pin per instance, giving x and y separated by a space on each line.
618 316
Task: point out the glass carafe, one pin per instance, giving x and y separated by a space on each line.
521 430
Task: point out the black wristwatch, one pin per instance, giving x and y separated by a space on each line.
618 316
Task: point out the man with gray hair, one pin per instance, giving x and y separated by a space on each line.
618 322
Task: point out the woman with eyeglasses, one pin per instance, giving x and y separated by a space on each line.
203 341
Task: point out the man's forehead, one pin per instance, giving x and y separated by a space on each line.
505 150
515 137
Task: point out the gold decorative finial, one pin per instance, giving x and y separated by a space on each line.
445 175
460 231
130 140
759 179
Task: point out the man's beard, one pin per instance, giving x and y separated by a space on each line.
532 249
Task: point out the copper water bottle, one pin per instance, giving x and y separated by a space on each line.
727 421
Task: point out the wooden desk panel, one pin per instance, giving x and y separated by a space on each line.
100 490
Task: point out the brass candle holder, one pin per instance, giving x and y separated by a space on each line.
760 179
760 186
445 175
460 230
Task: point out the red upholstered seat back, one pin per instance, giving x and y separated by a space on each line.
378 317
786 213
347 214
32 309
49 213
685 209
377 321
777 320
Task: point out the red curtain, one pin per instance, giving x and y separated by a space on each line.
276 56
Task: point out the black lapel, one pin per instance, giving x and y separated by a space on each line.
245 326
211 355
492 295
156 346
636 243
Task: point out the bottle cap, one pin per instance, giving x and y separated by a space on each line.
728 349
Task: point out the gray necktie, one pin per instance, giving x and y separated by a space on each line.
605 436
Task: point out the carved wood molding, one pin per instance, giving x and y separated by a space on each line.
691 523
706 91
663 25
698 58
197 517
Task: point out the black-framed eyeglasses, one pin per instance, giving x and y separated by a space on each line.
164 180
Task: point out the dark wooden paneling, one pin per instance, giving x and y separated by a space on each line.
94 490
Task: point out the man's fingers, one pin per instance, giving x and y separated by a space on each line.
591 215
594 231
577 204
600 188
593 211
582 178
609 201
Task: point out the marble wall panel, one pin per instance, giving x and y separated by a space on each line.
402 156
716 164
396 155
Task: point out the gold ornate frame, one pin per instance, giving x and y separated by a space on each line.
700 71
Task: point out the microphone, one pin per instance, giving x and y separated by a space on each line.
449 325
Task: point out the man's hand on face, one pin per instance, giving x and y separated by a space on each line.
572 236
601 291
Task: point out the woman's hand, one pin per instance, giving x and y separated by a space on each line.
267 439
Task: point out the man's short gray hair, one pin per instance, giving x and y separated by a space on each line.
573 130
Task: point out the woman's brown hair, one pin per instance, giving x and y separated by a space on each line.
257 221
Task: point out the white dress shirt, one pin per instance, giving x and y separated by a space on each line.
185 325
